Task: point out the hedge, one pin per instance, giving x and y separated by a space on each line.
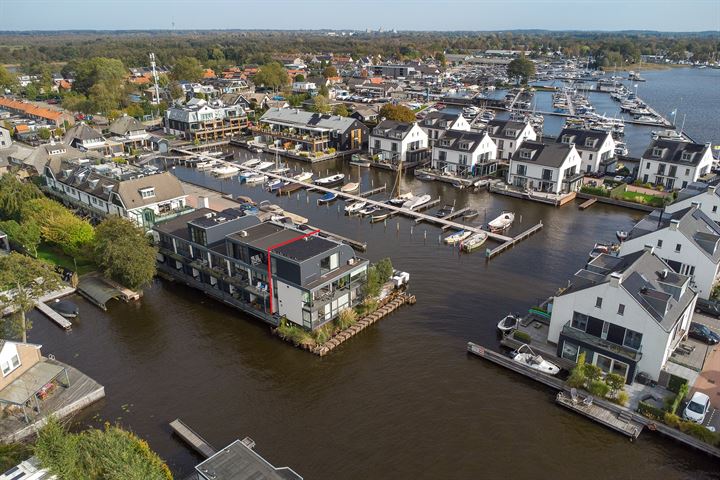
650 410
679 398
521 336
599 191
675 383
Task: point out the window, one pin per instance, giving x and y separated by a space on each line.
605 363
657 152
579 321
15 361
569 351
10 365
590 157
678 247
522 170
525 154
659 243
5 368
714 209
647 167
621 309
687 156
394 146
566 139
589 142
546 174
598 302
377 144
687 172
632 339
147 192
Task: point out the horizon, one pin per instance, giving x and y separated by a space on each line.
489 16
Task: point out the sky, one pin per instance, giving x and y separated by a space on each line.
662 15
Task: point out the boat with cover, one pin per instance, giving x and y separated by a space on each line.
224 171
327 198
457 237
526 356
274 184
251 163
380 214
303 176
350 187
255 177
472 213
369 210
358 161
502 222
331 181
264 165
445 211
66 308
473 242
416 202
509 323
424 177
401 199
355 207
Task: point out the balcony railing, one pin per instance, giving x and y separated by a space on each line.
579 335
291 136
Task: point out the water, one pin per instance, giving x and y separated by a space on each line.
400 400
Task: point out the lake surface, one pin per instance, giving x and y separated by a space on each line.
401 400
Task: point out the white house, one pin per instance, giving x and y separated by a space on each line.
508 135
551 168
303 87
395 142
627 314
143 199
594 146
5 139
674 164
707 196
85 138
688 240
465 153
435 124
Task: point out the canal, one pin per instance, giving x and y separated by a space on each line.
401 400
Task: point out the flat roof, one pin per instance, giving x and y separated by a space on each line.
265 235
239 462
30 382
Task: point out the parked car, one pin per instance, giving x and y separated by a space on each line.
618 178
697 408
711 307
701 332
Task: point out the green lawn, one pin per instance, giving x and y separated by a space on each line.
57 257
641 198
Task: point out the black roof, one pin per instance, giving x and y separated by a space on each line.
546 154
581 136
671 151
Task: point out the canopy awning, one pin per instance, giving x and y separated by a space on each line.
29 383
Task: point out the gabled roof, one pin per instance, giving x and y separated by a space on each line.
166 186
672 151
547 154
505 128
694 189
461 141
439 119
295 117
125 125
588 140
392 129
81 131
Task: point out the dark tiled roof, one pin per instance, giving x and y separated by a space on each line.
505 128
672 152
460 140
392 129
546 154
588 140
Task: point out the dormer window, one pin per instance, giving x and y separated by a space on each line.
465 146
589 142
445 143
107 189
657 152
566 139
510 133
148 192
687 156
93 183
526 154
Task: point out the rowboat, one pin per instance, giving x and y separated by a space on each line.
331 181
327 198
472 213
380 215
273 185
424 177
502 222
473 242
457 237
350 187
508 323
359 161
255 178
355 207
251 163
416 202
369 210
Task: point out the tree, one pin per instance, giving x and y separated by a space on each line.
75 102
272 75
323 90
187 69
176 91
112 453
102 81
7 79
14 194
59 226
399 113
31 91
44 133
26 234
329 72
341 110
124 253
299 77
25 279
521 68
321 104
385 269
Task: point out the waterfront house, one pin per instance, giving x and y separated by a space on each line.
130 132
688 240
465 153
705 195
508 135
435 124
202 120
225 254
395 142
627 314
310 132
551 168
240 461
103 190
87 139
595 147
674 164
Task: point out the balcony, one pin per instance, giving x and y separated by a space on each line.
290 135
600 344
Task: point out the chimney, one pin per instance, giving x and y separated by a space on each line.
203 202
674 224
711 189
649 248
615 279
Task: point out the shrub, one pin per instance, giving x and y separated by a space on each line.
684 388
650 411
675 383
330 151
346 319
592 372
372 282
384 269
323 334
672 420
621 398
598 388
577 378
599 191
521 336
294 333
698 431
615 382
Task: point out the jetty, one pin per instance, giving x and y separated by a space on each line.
189 436
511 242
587 203
356 244
621 423
42 306
373 191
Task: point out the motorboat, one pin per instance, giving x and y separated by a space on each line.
380 214
445 211
424 177
290 187
401 199
472 213
473 242
621 235
303 176
207 165
667 135
481 183
273 185
502 222
350 187
264 165
508 324
331 181
255 177
603 248
266 206
358 161
457 184
369 210
251 163
416 202
257 150
355 207
327 198
281 219
457 237
66 308
279 170
526 356
224 171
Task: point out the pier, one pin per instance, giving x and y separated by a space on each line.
587 203
372 192
189 436
42 306
511 242
618 422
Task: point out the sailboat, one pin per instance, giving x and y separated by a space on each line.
400 198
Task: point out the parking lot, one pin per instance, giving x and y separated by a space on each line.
708 381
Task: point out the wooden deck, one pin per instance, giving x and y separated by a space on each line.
512 241
508 362
53 315
198 443
617 422
587 203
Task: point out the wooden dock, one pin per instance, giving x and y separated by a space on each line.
53 315
518 238
587 203
372 192
198 443
618 422
456 214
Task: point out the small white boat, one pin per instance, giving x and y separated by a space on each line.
527 357
331 181
457 237
473 242
401 199
279 170
206 165
264 165
621 235
380 214
350 187
251 163
303 177
359 161
502 222
257 150
355 207
508 324
224 171
416 202
255 178
369 210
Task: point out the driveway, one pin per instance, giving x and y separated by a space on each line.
708 381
